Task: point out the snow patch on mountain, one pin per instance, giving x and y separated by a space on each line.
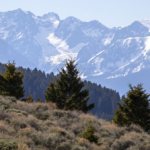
56 23
146 23
108 40
4 34
120 75
95 56
147 45
19 35
138 68
59 59
82 76
60 45
77 48
92 32
98 74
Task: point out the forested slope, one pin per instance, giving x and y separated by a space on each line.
36 82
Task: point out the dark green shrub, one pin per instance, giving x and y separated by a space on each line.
36 140
89 134
39 100
42 115
38 127
61 132
58 113
2 129
29 99
34 124
18 124
7 120
8 145
23 125
64 146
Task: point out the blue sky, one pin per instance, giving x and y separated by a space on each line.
112 13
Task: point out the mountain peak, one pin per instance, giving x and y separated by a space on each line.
72 19
50 16
136 24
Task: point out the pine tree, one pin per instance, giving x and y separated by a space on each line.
67 92
11 81
29 99
89 134
135 108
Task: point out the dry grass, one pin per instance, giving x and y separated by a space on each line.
47 128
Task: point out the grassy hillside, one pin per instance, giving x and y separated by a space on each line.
40 126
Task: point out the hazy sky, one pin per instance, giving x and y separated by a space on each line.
112 13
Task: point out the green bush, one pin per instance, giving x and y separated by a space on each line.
42 115
39 100
64 146
36 139
29 99
7 120
2 129
16 123
76 147
34 124
23 125
89 134
18 111
8 145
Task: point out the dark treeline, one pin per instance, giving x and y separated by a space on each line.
36 82
105 99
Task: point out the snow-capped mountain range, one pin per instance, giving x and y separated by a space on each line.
103 55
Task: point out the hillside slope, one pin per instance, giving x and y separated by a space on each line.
36 82
40 126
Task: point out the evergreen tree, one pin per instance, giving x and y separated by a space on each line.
11 81
29 99
89 134
67 92
135 108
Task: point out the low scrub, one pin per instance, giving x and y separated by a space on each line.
8 145
40 126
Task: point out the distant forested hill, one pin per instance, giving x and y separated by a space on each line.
36 82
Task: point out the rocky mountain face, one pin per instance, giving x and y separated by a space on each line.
112 57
